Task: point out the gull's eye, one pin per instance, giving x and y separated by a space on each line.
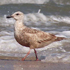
17 14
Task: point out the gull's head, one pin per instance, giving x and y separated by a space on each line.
17 16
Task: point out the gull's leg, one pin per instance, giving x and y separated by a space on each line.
36 55
26 55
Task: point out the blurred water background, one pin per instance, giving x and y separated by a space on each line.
51 16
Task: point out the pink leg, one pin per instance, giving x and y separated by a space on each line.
36 55
26 55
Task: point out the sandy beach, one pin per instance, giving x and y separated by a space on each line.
10 63
32 65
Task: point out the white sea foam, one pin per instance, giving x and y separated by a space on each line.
66 33
31 17
58 58
63 34
61 2
23 1
57 18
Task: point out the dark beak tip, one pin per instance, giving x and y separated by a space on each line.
8 17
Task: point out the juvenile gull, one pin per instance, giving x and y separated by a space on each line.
31 38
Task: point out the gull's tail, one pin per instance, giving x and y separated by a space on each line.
60 38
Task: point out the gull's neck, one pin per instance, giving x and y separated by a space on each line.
19 25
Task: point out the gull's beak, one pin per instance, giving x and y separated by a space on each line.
9 17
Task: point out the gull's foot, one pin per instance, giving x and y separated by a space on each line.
23 59
38 60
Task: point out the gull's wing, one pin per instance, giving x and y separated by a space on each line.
39 36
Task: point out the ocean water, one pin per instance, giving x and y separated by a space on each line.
50 17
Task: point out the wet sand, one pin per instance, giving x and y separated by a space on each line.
16 64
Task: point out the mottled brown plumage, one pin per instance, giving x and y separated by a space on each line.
31 37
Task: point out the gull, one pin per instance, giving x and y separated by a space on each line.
31 38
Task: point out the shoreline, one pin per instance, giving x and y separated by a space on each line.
15 63
32 65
